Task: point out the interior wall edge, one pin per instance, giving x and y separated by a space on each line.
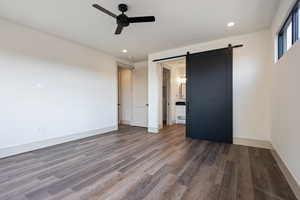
14 150
287 173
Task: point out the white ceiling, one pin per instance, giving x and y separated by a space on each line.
178 22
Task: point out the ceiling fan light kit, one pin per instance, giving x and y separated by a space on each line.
122 19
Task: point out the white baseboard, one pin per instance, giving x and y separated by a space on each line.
252 143
153 130
161 126
288 175
10 151
125 122
138 124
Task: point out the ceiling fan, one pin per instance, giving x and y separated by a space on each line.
122 19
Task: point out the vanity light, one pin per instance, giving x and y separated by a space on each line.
230 24
182 80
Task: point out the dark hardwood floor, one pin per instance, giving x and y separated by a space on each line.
134 165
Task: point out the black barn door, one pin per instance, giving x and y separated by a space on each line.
209 95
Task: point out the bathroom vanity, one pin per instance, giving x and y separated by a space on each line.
180 112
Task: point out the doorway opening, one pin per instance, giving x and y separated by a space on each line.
166 87
173 92
133 95
124 95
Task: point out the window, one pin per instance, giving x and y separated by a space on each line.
299 21
290 31
289 41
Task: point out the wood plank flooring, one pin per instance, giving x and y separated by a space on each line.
132 164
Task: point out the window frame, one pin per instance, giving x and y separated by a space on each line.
294 19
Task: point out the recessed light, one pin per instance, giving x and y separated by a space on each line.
124 50
230 24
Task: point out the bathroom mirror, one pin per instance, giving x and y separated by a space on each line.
182 87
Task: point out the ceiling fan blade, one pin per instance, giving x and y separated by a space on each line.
119 29
104 10
141 19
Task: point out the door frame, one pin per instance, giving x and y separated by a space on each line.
168 88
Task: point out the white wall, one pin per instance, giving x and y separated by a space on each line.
251 83
52 88
286 99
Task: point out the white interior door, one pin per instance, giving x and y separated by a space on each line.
125 96
140 96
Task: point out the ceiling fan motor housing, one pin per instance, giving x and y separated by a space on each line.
123 20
